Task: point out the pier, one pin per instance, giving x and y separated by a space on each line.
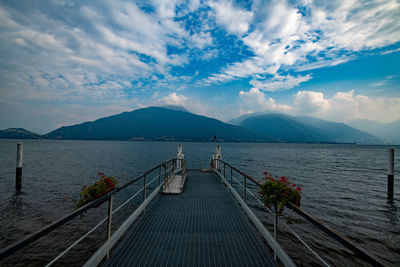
189 218
203 226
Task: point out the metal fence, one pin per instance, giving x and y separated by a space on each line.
163 172
228 172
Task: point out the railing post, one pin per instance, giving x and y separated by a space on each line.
244 188
144 187
159 175
165 174
224 169
275 224
109 221
231 175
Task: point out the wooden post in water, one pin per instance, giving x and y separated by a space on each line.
18 171
390 181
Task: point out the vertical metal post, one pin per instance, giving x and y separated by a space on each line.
244 188
275 224
390 179
18 171
231 175
109 221
224 169
144 187
159 175
165 175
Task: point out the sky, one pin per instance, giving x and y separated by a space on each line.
66 62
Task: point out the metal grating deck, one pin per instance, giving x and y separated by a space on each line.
203 226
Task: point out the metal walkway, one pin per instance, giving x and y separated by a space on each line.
203 226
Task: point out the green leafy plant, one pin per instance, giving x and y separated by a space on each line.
100 187
276 192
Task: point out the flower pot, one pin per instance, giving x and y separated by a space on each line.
297 200
102 194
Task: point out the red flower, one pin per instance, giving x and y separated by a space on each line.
298 188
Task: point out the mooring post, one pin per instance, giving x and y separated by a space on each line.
390 179
18 171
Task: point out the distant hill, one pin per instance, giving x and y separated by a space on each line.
388 132
155 123
285 128
239 120
18 133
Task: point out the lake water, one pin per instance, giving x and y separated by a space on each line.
343 186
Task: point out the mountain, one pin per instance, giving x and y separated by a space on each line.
174 107
239 120
155 123
18 133
285 128
388 132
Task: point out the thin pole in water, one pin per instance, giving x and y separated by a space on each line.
18 171
390 179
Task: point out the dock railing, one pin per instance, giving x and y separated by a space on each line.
163 172
227 171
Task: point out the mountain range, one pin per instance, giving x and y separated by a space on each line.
173 123
18 133
388 132
300 129
156 123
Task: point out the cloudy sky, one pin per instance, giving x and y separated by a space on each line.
65 62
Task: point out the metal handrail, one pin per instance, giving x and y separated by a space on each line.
287 226
332 233
11 249
100 223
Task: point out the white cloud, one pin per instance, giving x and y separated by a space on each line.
310 103
234 19
278 83
202 39
174 99
346 106
321 34
97 50
390 51
256 101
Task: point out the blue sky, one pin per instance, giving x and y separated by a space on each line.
66 62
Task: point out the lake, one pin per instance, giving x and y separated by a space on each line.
342 185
